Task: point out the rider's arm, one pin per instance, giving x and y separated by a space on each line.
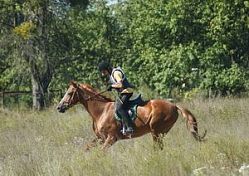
118 77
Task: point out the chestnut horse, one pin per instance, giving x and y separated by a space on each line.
155 116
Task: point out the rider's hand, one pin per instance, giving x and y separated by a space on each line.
109 88
117 85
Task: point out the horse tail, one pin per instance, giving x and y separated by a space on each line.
191 123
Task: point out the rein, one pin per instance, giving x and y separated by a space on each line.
80 93
91 97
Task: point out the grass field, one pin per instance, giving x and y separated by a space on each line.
51 144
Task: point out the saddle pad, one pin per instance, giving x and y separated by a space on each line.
132 113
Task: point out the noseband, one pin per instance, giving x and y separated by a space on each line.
69 102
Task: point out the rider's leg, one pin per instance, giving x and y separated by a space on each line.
123 110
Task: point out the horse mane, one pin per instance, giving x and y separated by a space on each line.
93 91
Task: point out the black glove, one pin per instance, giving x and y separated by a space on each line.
109 88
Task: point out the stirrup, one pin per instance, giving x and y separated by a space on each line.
129 130
123 131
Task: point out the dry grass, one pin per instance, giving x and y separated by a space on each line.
48 143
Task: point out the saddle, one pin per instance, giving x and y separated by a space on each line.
132 108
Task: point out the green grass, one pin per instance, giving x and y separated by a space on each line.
48 143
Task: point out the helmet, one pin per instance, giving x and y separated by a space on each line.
104 65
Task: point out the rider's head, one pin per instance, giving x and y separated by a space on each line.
105 68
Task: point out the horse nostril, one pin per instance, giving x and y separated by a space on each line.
61 108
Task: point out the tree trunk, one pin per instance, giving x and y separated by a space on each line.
40 78
38 94
41 73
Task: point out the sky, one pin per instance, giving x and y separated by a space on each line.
110 2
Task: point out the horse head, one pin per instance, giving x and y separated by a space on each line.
71 97
80 93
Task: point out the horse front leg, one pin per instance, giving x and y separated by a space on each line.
95 142
110 140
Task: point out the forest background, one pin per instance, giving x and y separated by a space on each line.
169 48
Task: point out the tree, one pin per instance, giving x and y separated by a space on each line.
166 45
35 35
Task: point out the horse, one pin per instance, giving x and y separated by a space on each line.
156 116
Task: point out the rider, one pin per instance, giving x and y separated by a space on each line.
119 82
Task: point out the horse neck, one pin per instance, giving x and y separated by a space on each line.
95 108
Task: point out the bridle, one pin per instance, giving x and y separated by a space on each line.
68 103
76 93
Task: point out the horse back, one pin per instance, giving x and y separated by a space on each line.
156 108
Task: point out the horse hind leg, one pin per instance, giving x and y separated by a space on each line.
158 141
158 132
158 136
159 129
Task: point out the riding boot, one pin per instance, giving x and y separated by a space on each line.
121 108
129 125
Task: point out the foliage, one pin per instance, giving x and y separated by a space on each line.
170 47
24 29
178 44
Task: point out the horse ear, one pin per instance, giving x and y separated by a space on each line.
74 84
